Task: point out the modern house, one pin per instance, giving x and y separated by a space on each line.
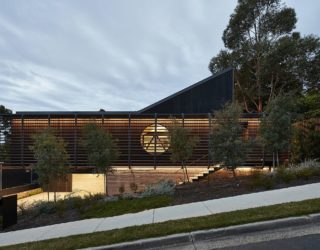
142 136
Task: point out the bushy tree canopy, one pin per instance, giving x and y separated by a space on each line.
51 157
101 149
226 144
5 131
100 146
306 138
275 127
268 56
182 144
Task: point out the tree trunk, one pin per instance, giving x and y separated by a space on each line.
277 158
31 176
234 173
55 196
48 191
260 105
186 172
106 183
273 160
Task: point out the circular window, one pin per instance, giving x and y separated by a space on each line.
155 139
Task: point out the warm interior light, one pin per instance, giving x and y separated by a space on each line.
155 139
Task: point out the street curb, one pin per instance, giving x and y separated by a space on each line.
202 235
249 228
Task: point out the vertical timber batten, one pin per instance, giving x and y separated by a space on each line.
49 120
22 140
209 139
75 128
129 141
155 137
182 115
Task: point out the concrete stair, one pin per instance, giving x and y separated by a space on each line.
203 174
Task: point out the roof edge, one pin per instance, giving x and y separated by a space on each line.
185 89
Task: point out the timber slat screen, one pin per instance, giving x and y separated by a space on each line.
142 139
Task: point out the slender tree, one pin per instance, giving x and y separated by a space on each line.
101 150
305 142
226 143
275 127
181 147
5 132
51 158
268 57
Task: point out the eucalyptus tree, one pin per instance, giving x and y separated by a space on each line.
51 158
276 125
182 144
226 143
5 132
268 57
101 150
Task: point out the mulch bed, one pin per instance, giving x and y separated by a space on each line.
222 184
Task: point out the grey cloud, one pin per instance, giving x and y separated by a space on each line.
116 55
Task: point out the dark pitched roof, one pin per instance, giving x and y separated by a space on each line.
202 97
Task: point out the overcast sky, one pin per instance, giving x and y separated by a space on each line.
118 55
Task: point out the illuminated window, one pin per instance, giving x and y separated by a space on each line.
155 139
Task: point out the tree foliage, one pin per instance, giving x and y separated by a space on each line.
276 125
5 132
101 149
226 143
181 145
309 105
306 138
268 56
51 157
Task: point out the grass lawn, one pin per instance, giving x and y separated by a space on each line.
177 226
106 209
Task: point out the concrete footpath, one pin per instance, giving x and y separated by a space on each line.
196 209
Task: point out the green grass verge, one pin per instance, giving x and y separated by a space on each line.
106 209
177 226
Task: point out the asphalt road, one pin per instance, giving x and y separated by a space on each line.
291 233
295 237
310 242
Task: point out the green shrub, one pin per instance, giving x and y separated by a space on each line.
47 208
285 174
305 173
76 203
259 179
268 182
307 169
61 207
163 187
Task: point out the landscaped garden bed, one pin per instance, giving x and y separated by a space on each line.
217 185
222 184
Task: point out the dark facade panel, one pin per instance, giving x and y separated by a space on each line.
203 97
